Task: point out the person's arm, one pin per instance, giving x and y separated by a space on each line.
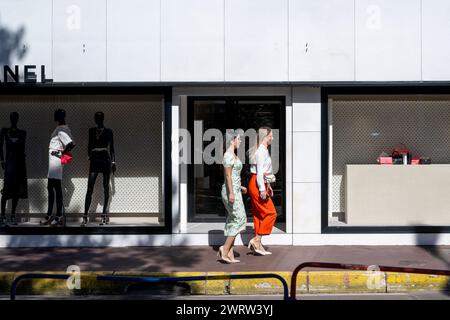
229 183
69 147
228 168
90 143
260 157
67 141
112 153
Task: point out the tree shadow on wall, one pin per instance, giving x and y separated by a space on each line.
11 44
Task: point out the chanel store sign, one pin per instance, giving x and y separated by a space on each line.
26 74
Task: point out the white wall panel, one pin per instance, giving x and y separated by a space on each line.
256 40
321 40
133 40
306 157
435 40
388 40
306 109
192 40
306 207
79 40
26 34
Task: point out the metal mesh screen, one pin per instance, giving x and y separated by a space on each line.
136 188
365 126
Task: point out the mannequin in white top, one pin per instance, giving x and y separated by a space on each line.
61 142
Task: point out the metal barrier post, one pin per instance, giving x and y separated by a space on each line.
34 276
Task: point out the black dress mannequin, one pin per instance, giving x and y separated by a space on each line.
102 161
15 179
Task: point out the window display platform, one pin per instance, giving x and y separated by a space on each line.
398 195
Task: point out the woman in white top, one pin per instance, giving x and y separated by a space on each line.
61 142
260 191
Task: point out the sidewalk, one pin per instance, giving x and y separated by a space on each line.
202 260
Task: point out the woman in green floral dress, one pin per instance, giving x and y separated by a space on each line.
232 199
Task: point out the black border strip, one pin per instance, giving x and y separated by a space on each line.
383 89
105 89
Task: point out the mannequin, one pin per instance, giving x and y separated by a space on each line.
61 142
15 185
102 161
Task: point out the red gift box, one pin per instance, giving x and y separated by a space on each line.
415 160
385 160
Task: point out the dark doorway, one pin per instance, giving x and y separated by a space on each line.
222 113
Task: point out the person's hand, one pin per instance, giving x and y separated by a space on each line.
3 165
270 191
231 198
56 154
244 190
263 195
113 167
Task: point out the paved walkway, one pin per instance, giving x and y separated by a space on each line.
202 259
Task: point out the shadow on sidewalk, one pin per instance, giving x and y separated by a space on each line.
428 242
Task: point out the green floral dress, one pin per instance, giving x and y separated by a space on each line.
236 218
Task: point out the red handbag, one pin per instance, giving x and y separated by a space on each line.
66 158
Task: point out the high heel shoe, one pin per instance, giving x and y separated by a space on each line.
13 220
3 221
251 246
85 221
231 256
104 220
47 220
222 257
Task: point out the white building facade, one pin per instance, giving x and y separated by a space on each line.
342 80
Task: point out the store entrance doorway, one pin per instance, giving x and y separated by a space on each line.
246 113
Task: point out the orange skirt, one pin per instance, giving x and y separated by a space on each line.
264 213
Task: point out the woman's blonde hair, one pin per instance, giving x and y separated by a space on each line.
262 133
230 136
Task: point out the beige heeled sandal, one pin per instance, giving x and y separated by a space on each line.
231 256
221 257
252 246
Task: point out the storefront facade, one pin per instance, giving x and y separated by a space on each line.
338 94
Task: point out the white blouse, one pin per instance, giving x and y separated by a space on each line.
60 138
262 166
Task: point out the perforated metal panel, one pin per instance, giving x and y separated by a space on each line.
366 126
136 188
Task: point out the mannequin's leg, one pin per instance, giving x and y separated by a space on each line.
59 198
90 190
3 205
105 192
51 196
2 217
15 201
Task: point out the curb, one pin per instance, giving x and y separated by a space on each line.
307 282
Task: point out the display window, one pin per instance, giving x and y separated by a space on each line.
85 161
388 161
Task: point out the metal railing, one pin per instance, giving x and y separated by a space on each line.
34 276
200 278
327 265
324 265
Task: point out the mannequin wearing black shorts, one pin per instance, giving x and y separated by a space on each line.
102 160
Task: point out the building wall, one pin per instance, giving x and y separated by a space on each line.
229 40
